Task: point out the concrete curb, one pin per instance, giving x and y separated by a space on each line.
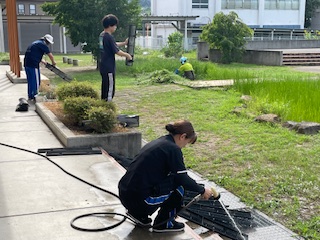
126 144
23 77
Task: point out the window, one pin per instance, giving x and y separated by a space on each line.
20 8
282 4
200 3
295 5
195 40
239 4
32 9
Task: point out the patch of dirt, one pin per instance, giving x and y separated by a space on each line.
57 109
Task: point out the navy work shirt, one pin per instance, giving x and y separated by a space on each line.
110 48
35 53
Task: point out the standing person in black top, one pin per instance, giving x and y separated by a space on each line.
108 48
157 178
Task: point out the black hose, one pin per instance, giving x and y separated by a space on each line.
88 183
125 217
97 229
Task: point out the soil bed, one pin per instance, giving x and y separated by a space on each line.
57 109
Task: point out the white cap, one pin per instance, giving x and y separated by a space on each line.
49 38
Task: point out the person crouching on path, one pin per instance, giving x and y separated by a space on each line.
107 61
32 59
157 178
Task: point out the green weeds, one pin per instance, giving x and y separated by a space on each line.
4 57
269 167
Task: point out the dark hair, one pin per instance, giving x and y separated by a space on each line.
109 20
181 127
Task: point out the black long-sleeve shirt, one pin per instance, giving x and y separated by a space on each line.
153 164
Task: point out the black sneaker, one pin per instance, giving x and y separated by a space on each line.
172 226
141 221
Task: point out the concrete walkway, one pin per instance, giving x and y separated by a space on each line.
38 200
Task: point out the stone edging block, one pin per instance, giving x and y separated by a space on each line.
127 144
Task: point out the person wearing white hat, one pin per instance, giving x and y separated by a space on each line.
32 59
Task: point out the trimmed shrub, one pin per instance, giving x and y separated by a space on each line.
76 89
77 109
104 104
101 120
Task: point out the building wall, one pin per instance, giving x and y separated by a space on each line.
29 32
167 7
255 13
315 21
34 26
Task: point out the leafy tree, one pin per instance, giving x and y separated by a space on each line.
227 33
82 18
311 6
174 47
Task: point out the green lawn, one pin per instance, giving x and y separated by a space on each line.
269 167
4 57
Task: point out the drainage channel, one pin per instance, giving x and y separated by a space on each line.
253 224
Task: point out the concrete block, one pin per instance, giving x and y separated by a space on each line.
75 62
127 144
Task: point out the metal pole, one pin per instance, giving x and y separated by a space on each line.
232 220
1 32
144 35
64 40
185 35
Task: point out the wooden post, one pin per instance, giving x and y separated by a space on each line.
13 37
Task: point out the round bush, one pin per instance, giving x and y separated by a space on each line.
77 107
101 120
76 89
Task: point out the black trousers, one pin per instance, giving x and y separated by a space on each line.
189 75
107 86
165 196
170 208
